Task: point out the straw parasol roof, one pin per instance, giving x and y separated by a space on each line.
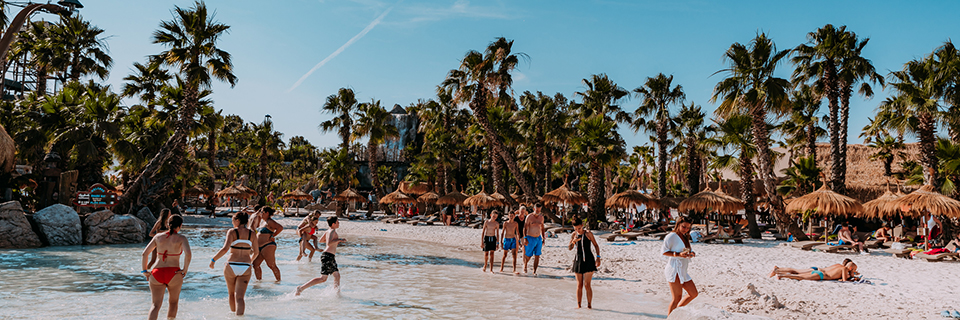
397 197
7 150
296 194
453 198
414 187
631 198
232 192
926 199
878 208
482 200
247 191
825 202
429 197
349 195
713 201
563 194
196 191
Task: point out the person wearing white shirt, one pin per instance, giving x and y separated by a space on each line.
676 249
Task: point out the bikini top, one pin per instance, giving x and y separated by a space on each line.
165 254
265 230
234 244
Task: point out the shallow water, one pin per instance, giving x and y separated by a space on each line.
381 278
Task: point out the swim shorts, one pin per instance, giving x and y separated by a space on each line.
328 263
509 244
489 243
533 247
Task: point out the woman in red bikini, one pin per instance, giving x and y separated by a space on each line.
166 273
242 244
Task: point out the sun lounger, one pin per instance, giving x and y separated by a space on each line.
629 236
556 230
835 249
723 240
938 257
805 245
413 222
899 253
872 244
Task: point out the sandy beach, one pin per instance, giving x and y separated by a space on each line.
732 277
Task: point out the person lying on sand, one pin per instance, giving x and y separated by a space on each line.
842 272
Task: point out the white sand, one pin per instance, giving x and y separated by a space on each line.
733 277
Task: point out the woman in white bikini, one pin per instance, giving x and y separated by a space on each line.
242 244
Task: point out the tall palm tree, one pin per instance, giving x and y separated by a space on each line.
656 95
342 105
473 82
853 70
147 82
733 134
336 169
35 44
537 121
750 87
192 38
266 145
802 130
691 132
83 47
374 122
916 109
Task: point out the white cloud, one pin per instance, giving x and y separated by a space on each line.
459 9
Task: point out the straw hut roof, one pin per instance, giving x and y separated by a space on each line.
631 198
232 192
878 208
563 194
196 191
349 195
452 198
825 202
296 194
417 188
926 199
7 151
482 200
671 202
712 201
397 197
429 197
248 191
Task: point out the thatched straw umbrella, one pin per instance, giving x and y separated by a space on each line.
196 191
231 193
825 202
415 188
428 198
7 150
564 195
926 199
482 200
630 198
397 197
708 200
296 194
453 198
878 208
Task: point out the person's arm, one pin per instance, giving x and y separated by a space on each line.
156 228
595 246
278 228
146 256
187 255
573 241
226 246
543 228
844 274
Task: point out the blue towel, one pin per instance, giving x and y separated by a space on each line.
623 243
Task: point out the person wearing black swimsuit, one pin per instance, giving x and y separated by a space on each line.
266 237
243 249
585 263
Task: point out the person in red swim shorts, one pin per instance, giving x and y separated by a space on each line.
166 274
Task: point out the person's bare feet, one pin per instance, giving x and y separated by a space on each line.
589 307
774 272
578 306
299 290
299 256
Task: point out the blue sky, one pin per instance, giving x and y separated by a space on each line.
398 51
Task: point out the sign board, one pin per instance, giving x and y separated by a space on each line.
98 196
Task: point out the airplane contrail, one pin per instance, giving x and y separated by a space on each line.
362 33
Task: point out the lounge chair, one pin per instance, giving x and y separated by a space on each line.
629 236
938 257
835 248
735 239
899 253
805 245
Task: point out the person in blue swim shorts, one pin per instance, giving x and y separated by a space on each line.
510 233
533 238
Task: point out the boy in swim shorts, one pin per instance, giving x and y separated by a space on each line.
328 261
511 232
533 237
489 245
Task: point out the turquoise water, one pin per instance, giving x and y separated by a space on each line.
381 278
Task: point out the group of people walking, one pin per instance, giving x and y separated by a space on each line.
250 243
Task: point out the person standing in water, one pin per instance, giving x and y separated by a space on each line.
166 275
585 264
242 245
510 235
533 238
328 261
306 233
489 244
266 238
676 247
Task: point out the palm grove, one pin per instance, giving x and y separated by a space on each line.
476 133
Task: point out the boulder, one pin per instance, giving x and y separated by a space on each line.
60 225
105 227
15 230
147 217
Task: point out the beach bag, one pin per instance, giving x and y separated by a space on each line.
897 246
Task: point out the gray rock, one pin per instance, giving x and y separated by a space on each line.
147 217
60 224
105 227
15 230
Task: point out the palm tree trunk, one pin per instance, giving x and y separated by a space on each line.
595 193
926 129
478 105
812 142
837 167
760 139
211 160
844 120
747 194
374 175
693 167
42 81
661 160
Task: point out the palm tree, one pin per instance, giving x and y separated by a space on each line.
750 87
374 122
802 129
342 105
802 176
656 96
691 132
733 134
887 149
853 69
147 82
83 48
265 146
35 44
336 168
478 74
193 52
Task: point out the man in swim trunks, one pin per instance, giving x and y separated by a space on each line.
534 233
489 244
510 234
843 272
328 261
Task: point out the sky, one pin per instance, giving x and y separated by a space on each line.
289 55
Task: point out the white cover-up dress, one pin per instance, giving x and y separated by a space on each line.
676 266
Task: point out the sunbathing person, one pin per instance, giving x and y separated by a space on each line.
884 233
846 238
843 271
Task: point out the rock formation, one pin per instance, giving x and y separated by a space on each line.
15 230
60 225
105 227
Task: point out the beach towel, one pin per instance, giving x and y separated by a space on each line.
622 243
936 251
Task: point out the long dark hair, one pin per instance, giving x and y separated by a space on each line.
684 237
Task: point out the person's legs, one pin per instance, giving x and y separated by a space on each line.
336 280
313 282
503 260
231 287
579 288
676 292
587 278
807 276
157 290
514 260
692 292
241 291
257 272
174 301
303 246
269 255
